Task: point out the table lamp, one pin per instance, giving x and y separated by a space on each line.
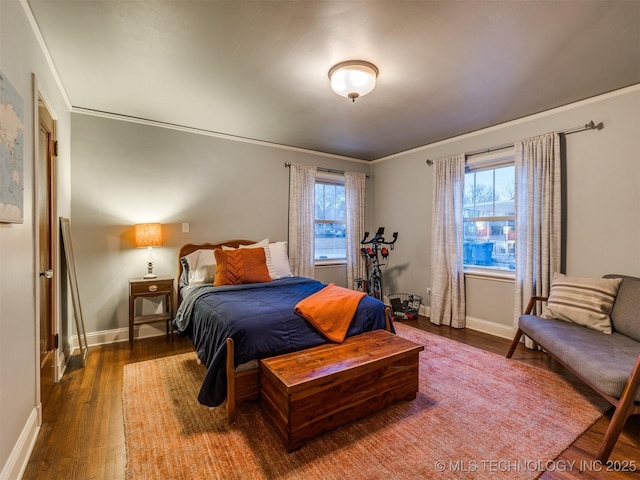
148 235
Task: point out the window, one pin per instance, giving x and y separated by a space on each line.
489 215
330 228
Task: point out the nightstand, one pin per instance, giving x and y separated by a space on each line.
150 287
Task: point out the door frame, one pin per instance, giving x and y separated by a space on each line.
38 97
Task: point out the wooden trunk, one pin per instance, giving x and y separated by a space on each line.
304 394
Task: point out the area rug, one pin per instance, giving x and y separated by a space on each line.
476 415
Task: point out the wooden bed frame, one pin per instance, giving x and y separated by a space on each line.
244 385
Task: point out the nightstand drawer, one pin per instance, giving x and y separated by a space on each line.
159 287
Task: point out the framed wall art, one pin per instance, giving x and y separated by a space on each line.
11 153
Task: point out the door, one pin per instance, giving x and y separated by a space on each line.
46 244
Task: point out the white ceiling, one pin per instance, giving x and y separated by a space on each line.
258 69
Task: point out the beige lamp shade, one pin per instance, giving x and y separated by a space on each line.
148 234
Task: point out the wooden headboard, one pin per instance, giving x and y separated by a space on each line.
188 248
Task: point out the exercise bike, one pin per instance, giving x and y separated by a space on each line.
372 285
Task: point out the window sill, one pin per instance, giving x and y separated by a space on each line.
488 274
330 263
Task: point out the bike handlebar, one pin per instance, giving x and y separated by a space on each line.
378 238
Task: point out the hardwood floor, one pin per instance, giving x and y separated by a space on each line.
82 436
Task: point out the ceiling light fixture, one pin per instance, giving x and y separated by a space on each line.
353 78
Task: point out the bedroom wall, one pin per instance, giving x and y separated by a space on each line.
125 173
20 56
602 197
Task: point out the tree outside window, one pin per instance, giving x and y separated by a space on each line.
330 228
489 218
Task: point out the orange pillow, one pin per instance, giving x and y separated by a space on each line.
247 265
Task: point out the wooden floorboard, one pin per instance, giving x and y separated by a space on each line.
82 436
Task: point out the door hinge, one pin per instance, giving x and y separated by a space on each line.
56 340
55 148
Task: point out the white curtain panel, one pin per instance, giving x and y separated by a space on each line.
302 194
448 305
538 218
354 187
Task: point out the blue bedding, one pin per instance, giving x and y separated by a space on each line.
261 321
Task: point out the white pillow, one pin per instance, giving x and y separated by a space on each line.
201 267
276 255
279 260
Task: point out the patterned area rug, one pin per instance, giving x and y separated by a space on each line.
477 415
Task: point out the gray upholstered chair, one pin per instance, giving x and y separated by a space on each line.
608 363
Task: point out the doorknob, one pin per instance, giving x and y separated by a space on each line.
47 274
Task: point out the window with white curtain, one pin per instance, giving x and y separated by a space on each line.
330 244
489 212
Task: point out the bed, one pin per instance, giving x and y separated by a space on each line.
233 326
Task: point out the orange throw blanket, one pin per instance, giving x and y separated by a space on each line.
330 310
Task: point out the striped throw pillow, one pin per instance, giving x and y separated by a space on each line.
585 301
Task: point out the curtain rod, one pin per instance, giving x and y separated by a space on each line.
588 126
322 169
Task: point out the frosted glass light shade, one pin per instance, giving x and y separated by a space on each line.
353 79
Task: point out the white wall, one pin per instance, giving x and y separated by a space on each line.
126 173
602 195
20 56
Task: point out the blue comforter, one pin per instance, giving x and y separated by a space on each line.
261 321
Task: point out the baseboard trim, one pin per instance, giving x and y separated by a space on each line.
117 335
19 458
480 325
492 328
62 357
